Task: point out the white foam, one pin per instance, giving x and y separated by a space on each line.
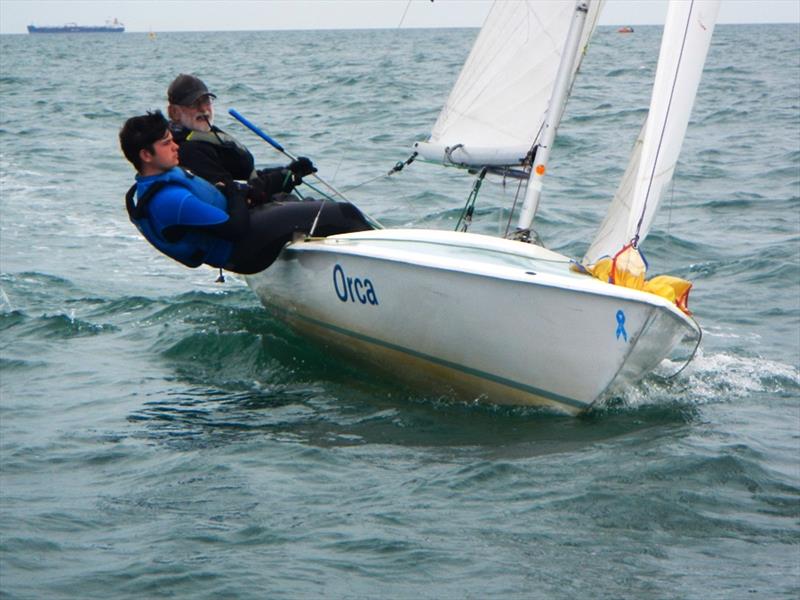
5 303
710 378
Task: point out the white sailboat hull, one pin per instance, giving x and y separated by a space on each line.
485 318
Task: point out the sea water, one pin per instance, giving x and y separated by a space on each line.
162 436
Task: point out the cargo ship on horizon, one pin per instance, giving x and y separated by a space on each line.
110 27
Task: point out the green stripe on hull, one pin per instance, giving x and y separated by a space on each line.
528 389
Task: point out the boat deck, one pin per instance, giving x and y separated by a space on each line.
474 253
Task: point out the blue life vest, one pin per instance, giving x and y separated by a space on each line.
179 200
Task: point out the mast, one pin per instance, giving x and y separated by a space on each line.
555 111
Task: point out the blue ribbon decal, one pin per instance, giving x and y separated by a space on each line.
621 325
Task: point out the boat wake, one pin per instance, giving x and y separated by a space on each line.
709 379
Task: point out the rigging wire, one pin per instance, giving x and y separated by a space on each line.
513 208
635 240
399 166
465 219
671 203
405 12
694 352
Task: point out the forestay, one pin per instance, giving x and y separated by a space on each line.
684 45
496 108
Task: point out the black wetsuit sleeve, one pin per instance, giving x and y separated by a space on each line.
202 160
238 223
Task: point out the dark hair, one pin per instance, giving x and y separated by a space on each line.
140 133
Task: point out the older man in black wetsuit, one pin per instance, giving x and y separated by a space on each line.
217 156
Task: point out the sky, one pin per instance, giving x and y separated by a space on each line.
234 15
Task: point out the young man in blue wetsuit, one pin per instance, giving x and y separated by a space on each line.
195 222
217 156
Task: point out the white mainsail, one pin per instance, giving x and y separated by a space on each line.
497 106
684 45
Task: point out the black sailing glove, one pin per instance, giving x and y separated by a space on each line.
257 191
268 182
301 167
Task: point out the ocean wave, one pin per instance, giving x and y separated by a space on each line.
706 496
59 326
744 201
105 114
12 80
724 115
621 72
17 364
35 278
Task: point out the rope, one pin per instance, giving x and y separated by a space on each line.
399 166
694 352
448 152
358 185
513 208
316 219
469 207
325 198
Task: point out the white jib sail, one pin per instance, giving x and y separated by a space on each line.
497 106
684 45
